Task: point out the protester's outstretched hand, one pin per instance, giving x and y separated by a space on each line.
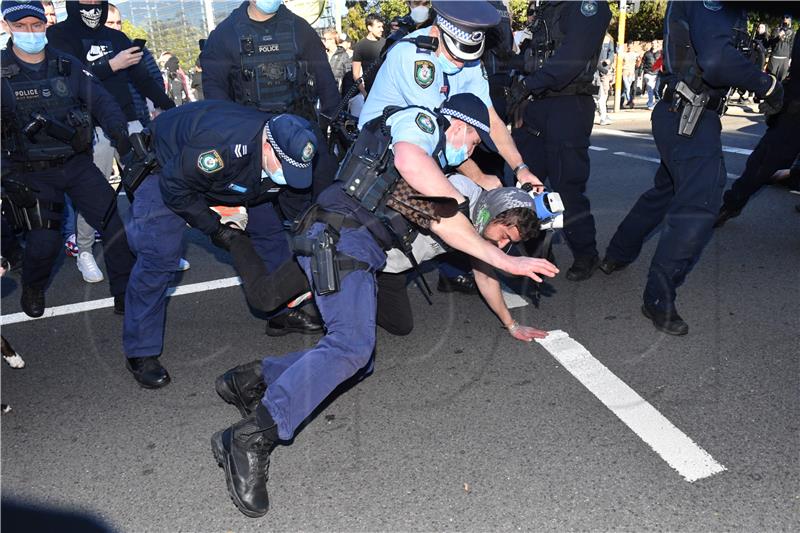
529 267
525 333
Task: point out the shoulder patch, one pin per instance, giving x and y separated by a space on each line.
425 123
308 152
210 162
424 73
589 8
712 5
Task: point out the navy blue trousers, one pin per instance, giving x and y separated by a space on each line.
155 233
554 143
297 383
685 197
91 194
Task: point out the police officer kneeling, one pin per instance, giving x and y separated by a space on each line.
391 178
47 152
209 153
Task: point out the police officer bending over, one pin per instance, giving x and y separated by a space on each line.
47 152
208 153
265 56
341 242
701 63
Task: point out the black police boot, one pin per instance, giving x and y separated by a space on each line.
583 268
148 372
609 266
32 301
463 283
119 304
669 322
726 213
242 387
243 451
295 321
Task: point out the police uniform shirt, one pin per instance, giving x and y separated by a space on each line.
427 246
410 76
210 154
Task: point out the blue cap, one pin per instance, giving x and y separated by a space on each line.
469 108
463 26
296 145
14 11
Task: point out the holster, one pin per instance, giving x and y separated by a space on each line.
24 210
141 163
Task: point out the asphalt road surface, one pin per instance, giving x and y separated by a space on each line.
461 427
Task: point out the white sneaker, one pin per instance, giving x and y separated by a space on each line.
605 122
89 269
183 265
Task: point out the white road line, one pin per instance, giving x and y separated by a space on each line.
657 160
638 135
82 307
677 449
598 148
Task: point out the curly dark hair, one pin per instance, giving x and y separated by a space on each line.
523 218
371 19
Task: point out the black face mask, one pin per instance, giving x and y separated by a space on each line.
92 16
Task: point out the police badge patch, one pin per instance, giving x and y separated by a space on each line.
308 152
589 8
425 123
60 87
210 162
424 73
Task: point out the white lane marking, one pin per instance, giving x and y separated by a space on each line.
598 148
512 299
678 450
657 160
82 307
638 135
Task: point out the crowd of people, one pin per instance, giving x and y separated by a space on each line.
248 148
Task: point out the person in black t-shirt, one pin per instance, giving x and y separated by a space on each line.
367 51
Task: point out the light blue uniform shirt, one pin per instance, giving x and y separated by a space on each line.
416 126
411 77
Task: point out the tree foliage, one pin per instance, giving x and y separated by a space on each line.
645 25
353 23
133 32
519 13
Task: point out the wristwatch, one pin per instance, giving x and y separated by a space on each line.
519 168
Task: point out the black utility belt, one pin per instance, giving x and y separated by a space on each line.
38 166
715 103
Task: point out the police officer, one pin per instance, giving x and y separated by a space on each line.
553 110
775 151
263 55
47 151
700 63
415 144
209 153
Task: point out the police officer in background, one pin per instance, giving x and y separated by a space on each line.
552 107
47 151
267 57
209 153
701 63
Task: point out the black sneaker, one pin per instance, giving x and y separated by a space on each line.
32 301
295 321
583 268
462 283
670 322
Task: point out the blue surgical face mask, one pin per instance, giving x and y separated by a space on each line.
456 156
30 42
277 176
268 6
447 66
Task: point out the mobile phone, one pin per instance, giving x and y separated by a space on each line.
139 43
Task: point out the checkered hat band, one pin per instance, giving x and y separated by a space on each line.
469 120
475 37
281 153
19 7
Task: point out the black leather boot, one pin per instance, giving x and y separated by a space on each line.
243 451
242 387
294 321
583 268
32 301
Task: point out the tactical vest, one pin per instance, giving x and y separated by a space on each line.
271 77
49 122
547 36
369 179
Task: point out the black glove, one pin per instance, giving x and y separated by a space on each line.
773 100
225 234
123 144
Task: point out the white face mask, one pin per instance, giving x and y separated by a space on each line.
420 14
91 17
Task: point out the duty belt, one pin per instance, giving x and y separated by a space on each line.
38 166
715 103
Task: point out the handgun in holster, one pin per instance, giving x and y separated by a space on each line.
141 163
324 267
694 103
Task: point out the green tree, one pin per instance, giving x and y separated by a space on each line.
390 9
133 32
353 23
646 25
519 13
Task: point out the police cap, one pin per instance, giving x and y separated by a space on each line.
470 109
463 26
14 11
296 145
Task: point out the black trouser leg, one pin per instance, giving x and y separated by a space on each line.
394 307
